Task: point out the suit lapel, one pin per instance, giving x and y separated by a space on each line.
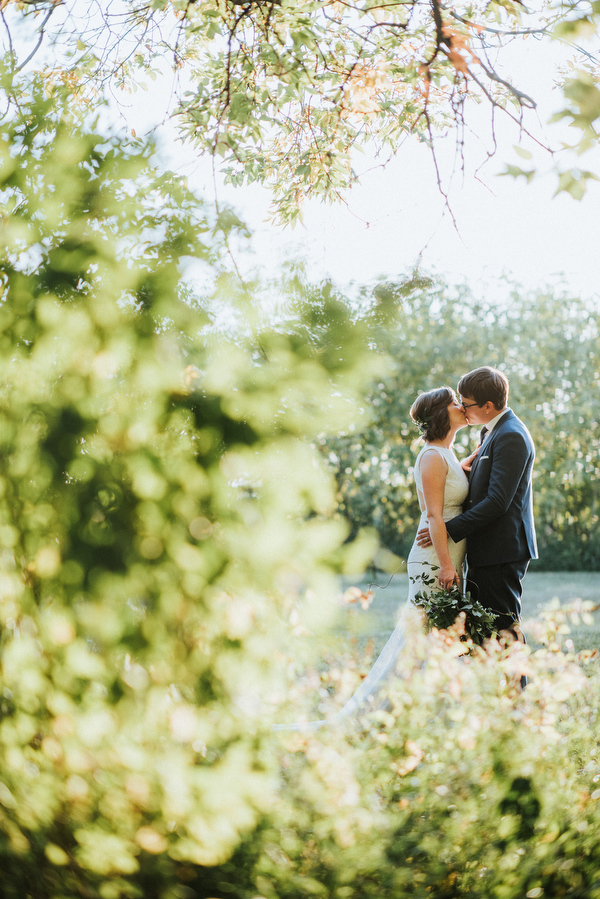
488 442
475 464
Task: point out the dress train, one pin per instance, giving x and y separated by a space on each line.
420 561
363 698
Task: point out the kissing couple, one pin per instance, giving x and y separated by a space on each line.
479 510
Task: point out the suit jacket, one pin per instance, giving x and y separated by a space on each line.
498 513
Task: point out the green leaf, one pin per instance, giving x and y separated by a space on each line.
522 152
515 172
574 182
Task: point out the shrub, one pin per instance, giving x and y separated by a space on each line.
159 506
465 786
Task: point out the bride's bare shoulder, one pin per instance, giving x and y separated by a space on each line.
431 460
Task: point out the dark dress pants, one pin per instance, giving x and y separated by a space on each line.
499 588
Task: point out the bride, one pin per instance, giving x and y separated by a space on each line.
442 487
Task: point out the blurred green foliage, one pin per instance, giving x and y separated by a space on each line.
160 511
464 787
545 342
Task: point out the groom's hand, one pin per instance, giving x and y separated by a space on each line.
424 537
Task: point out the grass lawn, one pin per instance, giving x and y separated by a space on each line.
540 588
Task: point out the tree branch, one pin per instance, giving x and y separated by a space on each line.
440 38
11 48
495 105
499 31
519 95
40 39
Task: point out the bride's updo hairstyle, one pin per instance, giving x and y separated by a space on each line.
430 413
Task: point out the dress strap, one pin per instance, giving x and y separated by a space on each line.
427 449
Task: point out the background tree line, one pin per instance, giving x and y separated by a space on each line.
547 344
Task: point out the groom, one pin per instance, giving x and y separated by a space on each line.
498 514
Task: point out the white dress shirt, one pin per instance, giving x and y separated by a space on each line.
493 422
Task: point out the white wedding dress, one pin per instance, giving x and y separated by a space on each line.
420 560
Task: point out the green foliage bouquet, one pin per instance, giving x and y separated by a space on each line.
443 607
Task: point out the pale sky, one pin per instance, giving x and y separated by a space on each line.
396 216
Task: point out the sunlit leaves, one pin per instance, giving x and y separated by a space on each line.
283 93
575 182
515 171
583 110
161 508
468 773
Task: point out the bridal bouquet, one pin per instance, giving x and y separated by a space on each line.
443 607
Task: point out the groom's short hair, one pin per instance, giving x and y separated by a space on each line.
485 385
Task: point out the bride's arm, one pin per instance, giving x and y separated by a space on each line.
433 475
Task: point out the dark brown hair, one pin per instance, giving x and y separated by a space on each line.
430 412
485 385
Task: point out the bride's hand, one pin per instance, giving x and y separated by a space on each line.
448 577
468 462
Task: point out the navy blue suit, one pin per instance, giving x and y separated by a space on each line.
498 519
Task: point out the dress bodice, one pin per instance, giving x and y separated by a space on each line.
457 483
423 559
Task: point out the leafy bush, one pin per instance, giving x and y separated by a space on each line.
466 786
160 507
